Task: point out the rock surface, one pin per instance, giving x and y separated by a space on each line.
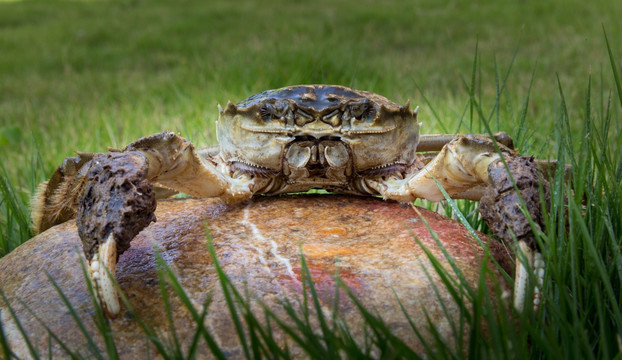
370 242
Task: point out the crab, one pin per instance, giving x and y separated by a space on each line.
292 140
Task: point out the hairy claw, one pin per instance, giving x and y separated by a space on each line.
56 199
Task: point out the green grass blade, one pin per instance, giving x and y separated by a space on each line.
385 340
100 319
94 349
50 333
428 348
522 135
172 280
261 340
614 67
14 218
31 349
330 347
438 119
228 298
164 270
5 349
472 86
192 349
597 262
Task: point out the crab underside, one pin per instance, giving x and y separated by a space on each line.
292 140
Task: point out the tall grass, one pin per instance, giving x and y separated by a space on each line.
14 216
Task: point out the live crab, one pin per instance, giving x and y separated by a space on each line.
290 140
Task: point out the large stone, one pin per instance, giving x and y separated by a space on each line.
374 245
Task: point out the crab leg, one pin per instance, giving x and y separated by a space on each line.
435 142
500 208
170 161
174 163
470 167
461 167
112 195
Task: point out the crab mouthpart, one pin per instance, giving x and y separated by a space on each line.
317 154
102 270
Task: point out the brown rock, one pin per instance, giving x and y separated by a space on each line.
370 242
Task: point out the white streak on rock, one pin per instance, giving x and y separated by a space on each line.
285 261
257 234
246 222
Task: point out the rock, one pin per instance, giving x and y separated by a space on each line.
370 242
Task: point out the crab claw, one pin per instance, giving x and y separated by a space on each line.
102 270
532 259
117 202
500 208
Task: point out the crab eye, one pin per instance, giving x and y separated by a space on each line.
280 111
265 111
359 111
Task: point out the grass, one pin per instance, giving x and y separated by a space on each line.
84 75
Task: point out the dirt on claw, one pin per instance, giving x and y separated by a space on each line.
117 199
500 205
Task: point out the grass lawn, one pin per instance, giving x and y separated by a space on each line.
85 75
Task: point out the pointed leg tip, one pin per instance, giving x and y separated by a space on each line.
102 269
520 286
535 262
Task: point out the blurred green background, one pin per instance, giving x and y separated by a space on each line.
85 75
